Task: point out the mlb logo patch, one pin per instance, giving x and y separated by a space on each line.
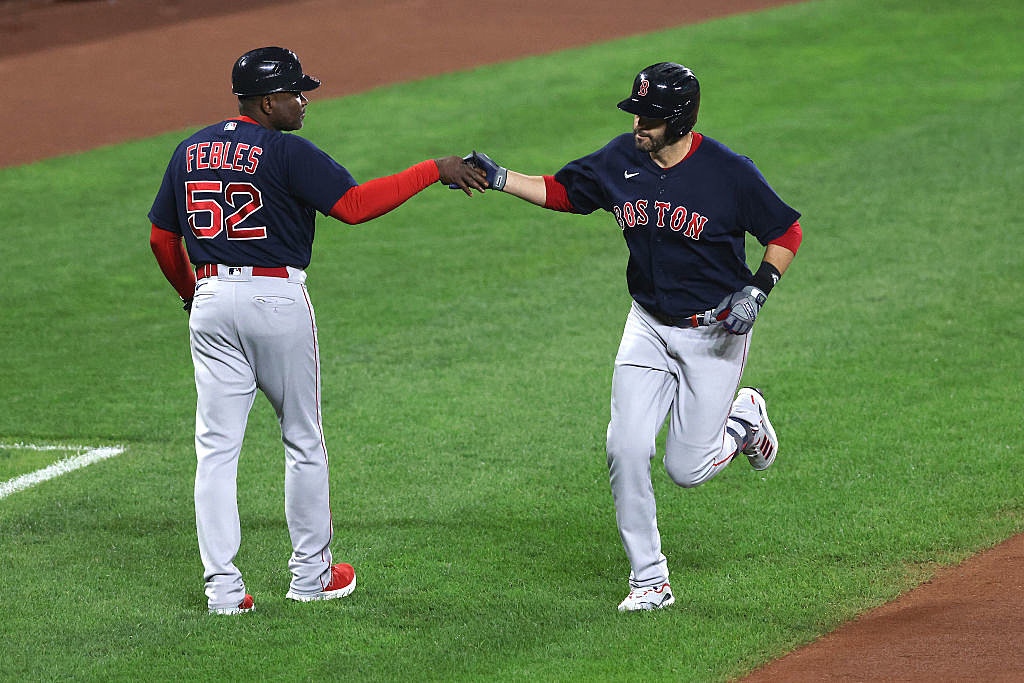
230 125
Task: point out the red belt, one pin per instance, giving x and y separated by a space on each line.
210 269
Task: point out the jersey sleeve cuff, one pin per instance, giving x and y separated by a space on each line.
556 197
791 238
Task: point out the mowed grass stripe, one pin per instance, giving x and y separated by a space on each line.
467 347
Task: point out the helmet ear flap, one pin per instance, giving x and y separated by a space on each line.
682 124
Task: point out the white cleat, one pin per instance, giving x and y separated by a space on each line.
648 598
749 406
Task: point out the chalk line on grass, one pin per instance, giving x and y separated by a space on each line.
63 466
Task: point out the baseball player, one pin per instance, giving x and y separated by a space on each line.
683 202
243 194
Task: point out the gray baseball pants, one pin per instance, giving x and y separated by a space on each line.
247 333
691 377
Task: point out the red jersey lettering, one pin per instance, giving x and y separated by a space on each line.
201 159
254 160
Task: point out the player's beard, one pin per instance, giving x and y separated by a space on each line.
651 144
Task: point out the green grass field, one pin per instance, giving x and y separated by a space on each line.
467 348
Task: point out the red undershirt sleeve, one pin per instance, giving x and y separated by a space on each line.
791 238
170 255
376 197
556 197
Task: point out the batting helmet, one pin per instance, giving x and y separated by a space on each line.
269 69
667 91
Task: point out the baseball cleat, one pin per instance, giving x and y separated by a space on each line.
247 605
343 582
648 598
764 444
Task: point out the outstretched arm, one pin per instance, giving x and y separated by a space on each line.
378 196
542 190
532 188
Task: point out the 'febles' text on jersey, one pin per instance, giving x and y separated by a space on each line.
219 155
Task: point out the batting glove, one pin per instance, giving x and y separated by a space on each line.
496 174
739 310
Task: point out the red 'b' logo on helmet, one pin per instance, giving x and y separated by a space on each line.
644 84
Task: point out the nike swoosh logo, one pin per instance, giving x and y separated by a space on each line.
627 175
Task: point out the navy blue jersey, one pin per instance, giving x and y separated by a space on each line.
245 195
684 225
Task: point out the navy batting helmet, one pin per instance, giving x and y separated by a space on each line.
665 90
269 69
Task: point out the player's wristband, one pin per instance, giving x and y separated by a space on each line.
765 277
187 304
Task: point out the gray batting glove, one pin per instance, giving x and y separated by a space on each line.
739 310
496 175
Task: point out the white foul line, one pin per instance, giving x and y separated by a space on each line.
58 468
35 447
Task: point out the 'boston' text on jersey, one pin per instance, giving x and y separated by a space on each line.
632 214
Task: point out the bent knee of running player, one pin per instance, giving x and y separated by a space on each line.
691 464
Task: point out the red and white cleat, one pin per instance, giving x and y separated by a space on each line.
764 445
648 598
343 582
247 605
